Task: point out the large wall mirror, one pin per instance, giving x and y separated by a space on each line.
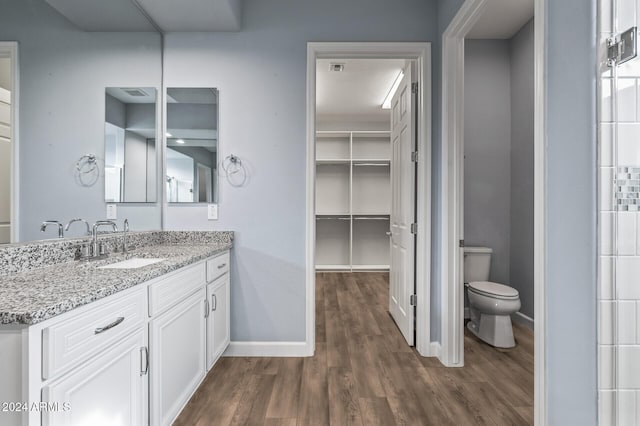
130 145
192 145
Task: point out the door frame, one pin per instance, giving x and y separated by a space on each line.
9 49
452 227
421 53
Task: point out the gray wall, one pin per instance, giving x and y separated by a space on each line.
63 73
487 151
571 212
522 121
261 75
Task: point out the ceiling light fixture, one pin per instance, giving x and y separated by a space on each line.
386 104
180 141
169 135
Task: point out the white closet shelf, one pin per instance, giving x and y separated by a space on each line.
320 161
370 267
353 200
333 267
371 162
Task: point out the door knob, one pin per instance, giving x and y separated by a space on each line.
388 233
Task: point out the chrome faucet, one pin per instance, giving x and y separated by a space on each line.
124 236
95 252
66 228
46 223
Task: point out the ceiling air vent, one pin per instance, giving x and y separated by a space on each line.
336 67
135 92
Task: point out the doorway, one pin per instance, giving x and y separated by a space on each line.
453 231
417 54
8 142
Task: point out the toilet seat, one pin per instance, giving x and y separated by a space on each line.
495 290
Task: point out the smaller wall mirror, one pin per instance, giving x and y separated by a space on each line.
192 145
130 145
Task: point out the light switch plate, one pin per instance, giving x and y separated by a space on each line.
112 211
212 212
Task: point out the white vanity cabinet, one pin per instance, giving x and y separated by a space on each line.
218 320
133 358
108 390
182 329
177 342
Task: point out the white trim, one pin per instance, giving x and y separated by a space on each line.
266 349
452 179
10 49
421 53
523 319
539 217
435 349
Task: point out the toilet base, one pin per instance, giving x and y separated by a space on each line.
495 330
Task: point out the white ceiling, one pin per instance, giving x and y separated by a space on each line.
169 15
358 91
502 19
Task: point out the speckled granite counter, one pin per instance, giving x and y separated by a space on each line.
36 294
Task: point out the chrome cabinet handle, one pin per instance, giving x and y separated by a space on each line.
144 357
108 326
214 302
206 308
222 266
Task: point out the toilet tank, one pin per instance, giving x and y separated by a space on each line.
477 263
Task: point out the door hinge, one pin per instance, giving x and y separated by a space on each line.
414 156
414 228
461 243
622 47
414 87
413 300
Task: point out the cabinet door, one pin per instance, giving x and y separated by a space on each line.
177 351
218 322
108 390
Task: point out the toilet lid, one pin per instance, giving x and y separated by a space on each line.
494 289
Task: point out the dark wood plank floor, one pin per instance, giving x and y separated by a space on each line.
363 373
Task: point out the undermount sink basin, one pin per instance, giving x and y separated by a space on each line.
136 262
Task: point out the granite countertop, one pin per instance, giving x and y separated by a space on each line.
35 295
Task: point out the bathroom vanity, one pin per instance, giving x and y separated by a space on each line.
125 340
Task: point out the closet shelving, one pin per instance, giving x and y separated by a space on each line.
353 200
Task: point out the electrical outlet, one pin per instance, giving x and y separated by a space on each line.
112 211
212 212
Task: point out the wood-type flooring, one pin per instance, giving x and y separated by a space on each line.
363 373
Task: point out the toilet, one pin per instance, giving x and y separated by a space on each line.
490 304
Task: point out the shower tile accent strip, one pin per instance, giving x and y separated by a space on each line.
628 189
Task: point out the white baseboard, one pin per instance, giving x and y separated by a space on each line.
268 349
522 319
435 349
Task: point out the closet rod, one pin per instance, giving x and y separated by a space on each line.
372 164
371 218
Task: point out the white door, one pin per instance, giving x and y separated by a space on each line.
177 346
5 166
109 390
218 330
403 172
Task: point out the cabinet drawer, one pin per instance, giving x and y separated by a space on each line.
76 339
217 266
168 291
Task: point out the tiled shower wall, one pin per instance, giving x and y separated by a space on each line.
619 222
